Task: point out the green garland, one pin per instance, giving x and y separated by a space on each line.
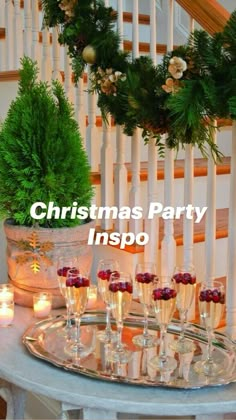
194 84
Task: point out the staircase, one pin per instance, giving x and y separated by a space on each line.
139 175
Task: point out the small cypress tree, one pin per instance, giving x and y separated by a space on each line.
41 152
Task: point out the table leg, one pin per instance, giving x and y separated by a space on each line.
19 396
97 414
210 417
15 399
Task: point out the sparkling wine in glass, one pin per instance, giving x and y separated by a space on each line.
145 274
64 264
105 268
164 302
185 280
211 301
77 288
120 298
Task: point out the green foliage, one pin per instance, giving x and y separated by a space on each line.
205 88
41 153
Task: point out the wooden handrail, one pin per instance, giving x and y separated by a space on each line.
208 13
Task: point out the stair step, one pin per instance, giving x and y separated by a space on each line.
199 231
200 169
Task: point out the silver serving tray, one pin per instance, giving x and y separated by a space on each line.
45 341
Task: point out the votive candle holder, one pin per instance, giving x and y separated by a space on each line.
42 304
6 314
6 293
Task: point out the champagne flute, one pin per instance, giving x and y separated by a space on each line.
164 301
144 276
120 298
64 264
211 307
105 268
185 280
78 288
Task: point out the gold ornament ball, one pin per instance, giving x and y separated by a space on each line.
89 54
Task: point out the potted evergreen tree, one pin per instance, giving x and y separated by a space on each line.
42 159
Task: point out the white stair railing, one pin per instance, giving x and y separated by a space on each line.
35 53
107 191
27 28
56 73
188 223
9 31
231 284
46 57
152 225
68 76
210 230
168 245
92 135
134 196
120 172
18 47
80 108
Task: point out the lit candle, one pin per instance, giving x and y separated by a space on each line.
6 293
42 305
6 314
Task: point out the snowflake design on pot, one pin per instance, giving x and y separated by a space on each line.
34 252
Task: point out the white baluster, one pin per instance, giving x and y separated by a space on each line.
107 191
120 173
134 196
27 28
152 225
210 241
188 199
92 141
80 107
46 56
56 74
120 180
9 11
35 31
168 246
68 74
18 34
188 194
231 285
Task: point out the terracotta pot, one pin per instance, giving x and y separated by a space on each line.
66 242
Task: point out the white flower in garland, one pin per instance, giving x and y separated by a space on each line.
68 7
107 80
171 86
176 67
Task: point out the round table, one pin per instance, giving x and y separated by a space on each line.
21 372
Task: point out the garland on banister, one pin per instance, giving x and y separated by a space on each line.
182 96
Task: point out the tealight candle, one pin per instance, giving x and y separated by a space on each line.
6 293
42 304
92 296
6 314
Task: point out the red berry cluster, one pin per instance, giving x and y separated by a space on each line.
106 274
145 277
64 270
77 282
121 286
184 278
209 295
164 293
